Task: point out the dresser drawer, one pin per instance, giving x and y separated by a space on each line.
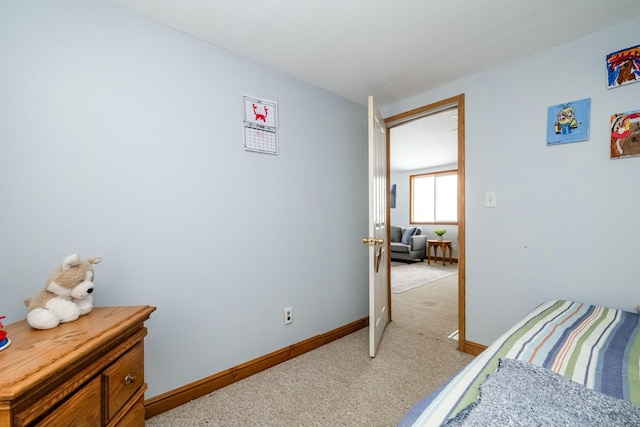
134 416
82 409
123 379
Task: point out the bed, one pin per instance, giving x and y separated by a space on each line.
591 349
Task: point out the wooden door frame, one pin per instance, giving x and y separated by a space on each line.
415 114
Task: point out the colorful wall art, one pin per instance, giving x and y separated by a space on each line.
623 67
625 134
569 122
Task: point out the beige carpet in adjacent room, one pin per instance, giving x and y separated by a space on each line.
338 384
408 276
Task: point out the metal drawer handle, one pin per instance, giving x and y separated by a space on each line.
129 379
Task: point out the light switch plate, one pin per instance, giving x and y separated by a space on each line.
490 199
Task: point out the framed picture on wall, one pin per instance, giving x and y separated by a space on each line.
625 134
569 122
392 201
623 67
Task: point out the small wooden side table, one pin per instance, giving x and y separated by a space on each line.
443 245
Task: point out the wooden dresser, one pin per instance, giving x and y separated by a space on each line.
89 372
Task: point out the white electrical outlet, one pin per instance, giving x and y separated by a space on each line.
288 315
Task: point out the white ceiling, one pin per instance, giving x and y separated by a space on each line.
425 143
390 49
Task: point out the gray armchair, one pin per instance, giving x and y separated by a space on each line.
414 246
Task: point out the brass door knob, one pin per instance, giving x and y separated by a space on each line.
129 379
372 241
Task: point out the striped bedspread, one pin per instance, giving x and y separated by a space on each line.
595 346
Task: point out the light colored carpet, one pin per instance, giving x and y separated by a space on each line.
408 276
338 384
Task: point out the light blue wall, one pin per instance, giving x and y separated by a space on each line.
400 214
565 221
123 138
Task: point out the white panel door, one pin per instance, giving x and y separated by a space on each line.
378 277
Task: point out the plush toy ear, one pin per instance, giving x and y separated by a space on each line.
94 260
70 261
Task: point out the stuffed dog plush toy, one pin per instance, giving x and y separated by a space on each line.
66 296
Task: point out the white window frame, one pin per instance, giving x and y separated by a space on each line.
414 181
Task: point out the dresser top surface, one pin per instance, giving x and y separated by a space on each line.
35 355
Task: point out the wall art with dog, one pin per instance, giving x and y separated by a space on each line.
625 134
623 67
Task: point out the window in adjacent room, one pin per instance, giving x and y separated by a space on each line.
434 197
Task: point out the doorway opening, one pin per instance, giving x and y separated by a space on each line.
455 103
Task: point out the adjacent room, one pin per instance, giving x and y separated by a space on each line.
423 163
